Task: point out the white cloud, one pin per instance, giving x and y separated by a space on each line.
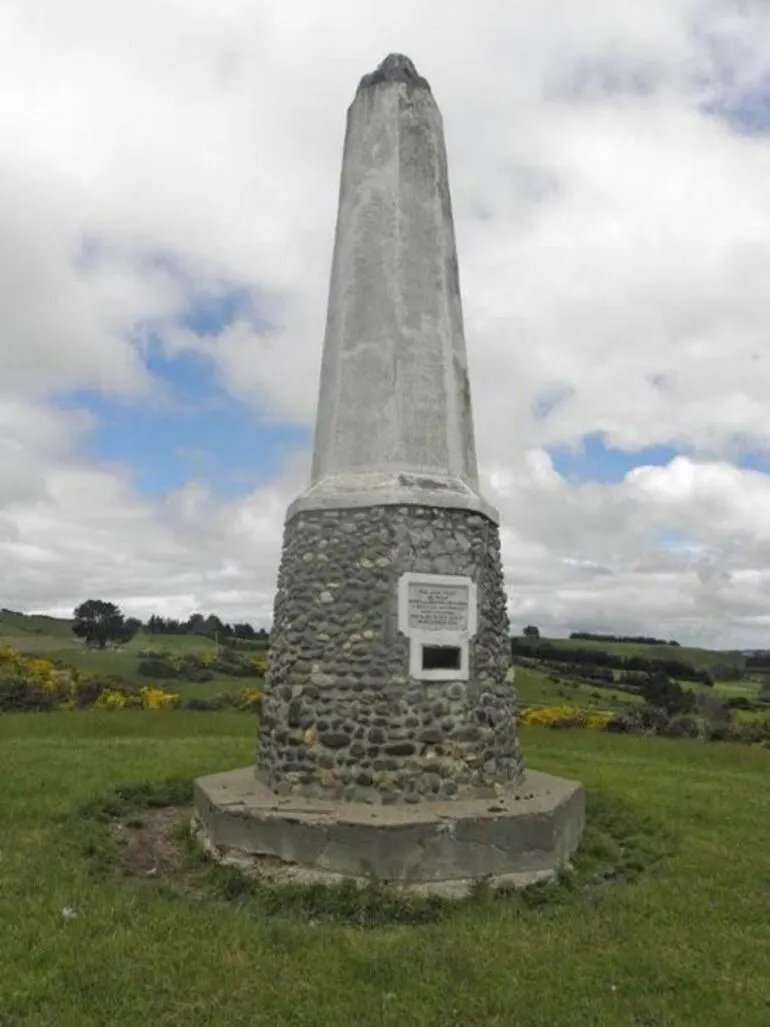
614 253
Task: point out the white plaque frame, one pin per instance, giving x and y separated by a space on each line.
421 637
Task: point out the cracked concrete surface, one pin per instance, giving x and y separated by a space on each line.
524 835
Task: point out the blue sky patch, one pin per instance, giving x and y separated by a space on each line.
748 112
737 96
192 428
202 433
754 460
595 461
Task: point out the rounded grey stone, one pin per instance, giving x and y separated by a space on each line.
334 739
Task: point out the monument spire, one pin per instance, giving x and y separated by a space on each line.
394 420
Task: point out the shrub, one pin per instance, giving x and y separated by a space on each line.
235 670
224 701
718 732
249 700
198 675
148 697
619 725
740 702
111 699
712 707
154 698
202 705
563 717
258 665
751 732
157 668
683 726
87 691
640 719
658 690
19 696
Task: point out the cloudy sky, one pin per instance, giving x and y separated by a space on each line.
168 186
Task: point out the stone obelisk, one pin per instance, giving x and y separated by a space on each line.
390 640
387 695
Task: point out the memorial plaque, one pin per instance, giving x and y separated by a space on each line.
434 607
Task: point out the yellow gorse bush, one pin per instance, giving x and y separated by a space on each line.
67 686
42 674
258 665
249 700
111 700
154 698
563 716
149 697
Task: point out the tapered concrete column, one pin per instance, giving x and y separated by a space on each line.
394 420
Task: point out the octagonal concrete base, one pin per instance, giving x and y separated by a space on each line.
521 837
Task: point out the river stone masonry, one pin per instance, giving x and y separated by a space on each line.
341 717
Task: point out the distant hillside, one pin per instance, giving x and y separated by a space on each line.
38 632
700 658
24 625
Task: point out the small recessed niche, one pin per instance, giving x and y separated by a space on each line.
441 657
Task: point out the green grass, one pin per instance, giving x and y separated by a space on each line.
176 644
687 943
745 689
535 688
209 689
125 664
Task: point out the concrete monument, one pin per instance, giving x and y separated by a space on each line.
388 742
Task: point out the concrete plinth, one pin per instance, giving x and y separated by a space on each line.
522 836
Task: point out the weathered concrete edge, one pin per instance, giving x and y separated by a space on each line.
292 874
393 497
417 847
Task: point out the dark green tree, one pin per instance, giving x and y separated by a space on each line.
659 690
99 622
531 631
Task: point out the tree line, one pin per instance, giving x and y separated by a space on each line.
197 624
99 622
634 639
544 650
532 631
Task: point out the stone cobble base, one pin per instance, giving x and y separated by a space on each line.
341 717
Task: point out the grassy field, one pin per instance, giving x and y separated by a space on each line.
687 943
53 639
535 688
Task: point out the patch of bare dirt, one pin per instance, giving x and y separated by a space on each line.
152 845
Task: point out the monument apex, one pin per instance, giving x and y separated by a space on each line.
396 67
